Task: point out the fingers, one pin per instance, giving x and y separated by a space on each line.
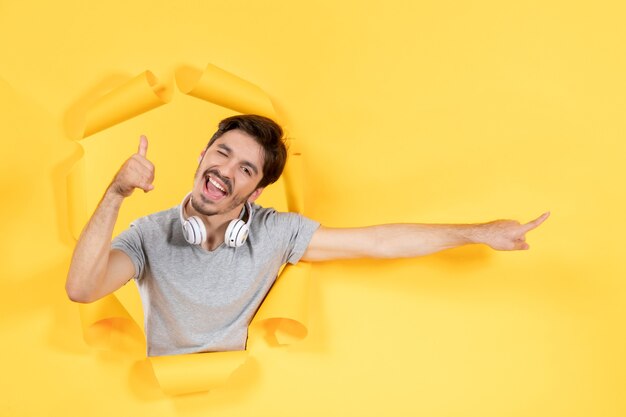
143 146
520 244
137 172
535 223
145 175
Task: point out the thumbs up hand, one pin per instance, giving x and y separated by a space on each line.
136 172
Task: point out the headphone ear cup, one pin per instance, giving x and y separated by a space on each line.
194 231
236 233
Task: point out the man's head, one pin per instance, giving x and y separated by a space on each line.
266 133
243 156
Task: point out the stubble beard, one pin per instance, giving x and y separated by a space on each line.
237 201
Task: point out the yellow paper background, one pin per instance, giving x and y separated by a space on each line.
405 111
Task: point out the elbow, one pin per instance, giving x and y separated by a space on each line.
77 294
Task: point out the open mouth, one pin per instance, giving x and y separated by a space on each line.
215 188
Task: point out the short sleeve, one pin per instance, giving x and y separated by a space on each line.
131 243
290 232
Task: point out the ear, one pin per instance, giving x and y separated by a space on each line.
201 155
255 194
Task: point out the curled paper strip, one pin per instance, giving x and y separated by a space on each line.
285 314
76 205
134 97
186 374
107 324
117 320
293 177
224 89
137 96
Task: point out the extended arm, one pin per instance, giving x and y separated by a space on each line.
409 240
96 270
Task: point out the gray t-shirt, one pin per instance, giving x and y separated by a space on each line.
196 300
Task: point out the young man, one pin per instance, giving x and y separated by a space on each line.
204 267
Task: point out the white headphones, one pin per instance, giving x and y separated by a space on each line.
195 232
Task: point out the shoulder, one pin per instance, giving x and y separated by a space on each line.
260 214
160 221
265 215
270 219
159 216
155 230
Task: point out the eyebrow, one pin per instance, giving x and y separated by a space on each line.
244 162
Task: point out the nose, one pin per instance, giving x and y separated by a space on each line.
228 169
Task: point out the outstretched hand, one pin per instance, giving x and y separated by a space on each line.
509 234
137 172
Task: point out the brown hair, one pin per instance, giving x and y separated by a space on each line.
268 134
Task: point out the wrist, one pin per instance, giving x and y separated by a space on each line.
113 196
475 233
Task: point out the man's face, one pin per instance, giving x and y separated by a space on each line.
228 174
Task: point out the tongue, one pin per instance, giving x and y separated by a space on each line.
213 191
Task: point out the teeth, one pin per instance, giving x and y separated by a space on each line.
219 187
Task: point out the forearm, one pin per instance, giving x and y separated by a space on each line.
410 240
91 254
